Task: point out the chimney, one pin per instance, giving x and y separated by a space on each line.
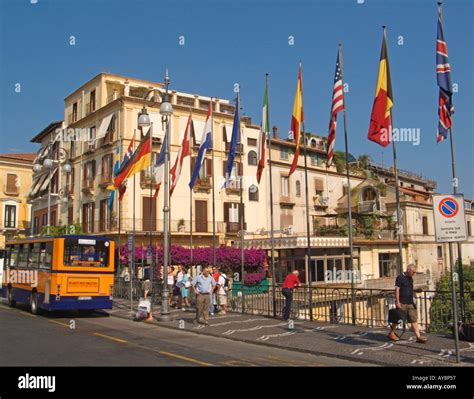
275 132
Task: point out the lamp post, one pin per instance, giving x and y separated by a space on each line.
166 110
53 164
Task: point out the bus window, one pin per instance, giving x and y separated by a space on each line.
23 255
13 258
46 250
33 260
86 252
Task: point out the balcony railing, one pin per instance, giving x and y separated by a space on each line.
371 206
105 180
88 186
203 184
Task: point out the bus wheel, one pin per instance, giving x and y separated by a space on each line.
11 302
34 302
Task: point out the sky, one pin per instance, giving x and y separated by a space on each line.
228 42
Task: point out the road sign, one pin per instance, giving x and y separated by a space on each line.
449 219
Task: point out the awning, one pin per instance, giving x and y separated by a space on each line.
37 184
46 181
104 126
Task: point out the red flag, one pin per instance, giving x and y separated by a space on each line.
175 171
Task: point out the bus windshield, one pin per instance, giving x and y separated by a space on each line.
86 252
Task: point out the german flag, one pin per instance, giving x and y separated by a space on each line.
380 121
140 160
297 119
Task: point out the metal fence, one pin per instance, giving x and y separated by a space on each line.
325 304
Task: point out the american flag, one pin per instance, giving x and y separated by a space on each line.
337 105
443 74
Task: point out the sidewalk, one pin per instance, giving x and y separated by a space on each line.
342 341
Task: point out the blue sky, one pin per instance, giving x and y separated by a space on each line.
238 41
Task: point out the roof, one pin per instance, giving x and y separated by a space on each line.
47 130
21 156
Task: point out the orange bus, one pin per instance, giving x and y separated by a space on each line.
60 273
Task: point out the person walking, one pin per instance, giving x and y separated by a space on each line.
203 285
291 282
405 300
185 289
170 283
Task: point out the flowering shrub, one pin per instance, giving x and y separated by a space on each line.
228 259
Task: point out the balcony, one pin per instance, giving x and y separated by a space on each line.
320 201
371 206
89 148
233 227
234 186
287 200
146 180
239 149
88 186
204 184
105 181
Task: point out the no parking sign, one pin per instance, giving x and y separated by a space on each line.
449 219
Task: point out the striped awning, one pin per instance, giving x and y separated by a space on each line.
37 183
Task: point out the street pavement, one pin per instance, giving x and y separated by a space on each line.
337 341
69 339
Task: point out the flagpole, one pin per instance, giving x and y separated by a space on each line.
272 234
308 276
349 199
213 191
117 193
132 265
191 196
397 187
152 200
455 191
241 205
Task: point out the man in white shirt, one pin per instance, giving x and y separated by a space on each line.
222 292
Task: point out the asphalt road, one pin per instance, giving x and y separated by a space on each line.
67 339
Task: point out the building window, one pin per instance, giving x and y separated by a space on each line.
74 112
318 187
149 213
284 153
36 225
200 219
345 189
387 264
440 251
10 216
425 225
70 215
253 193
469 232
252 142
252 158
91 143
53 218
12 184
92 101
298 188
284 186
89 175
105 215
88 217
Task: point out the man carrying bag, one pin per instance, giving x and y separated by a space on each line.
405 305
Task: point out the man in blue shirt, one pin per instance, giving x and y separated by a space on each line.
203 285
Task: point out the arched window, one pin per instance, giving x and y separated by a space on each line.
253 193
369 194
298 188
252 158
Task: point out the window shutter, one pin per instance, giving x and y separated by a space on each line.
240 168
193 163
208 167
11 183
224 164
226 211
93 169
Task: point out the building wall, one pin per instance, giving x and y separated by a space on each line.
23 171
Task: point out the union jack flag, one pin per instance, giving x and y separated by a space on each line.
337 105
443 74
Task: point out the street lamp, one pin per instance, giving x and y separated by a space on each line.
166 110
52 165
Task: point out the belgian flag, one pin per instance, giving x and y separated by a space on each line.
380 121
140 160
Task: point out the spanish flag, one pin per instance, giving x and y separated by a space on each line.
297 119
380 121
140 160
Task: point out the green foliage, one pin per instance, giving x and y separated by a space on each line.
332 231
441 307
55 231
